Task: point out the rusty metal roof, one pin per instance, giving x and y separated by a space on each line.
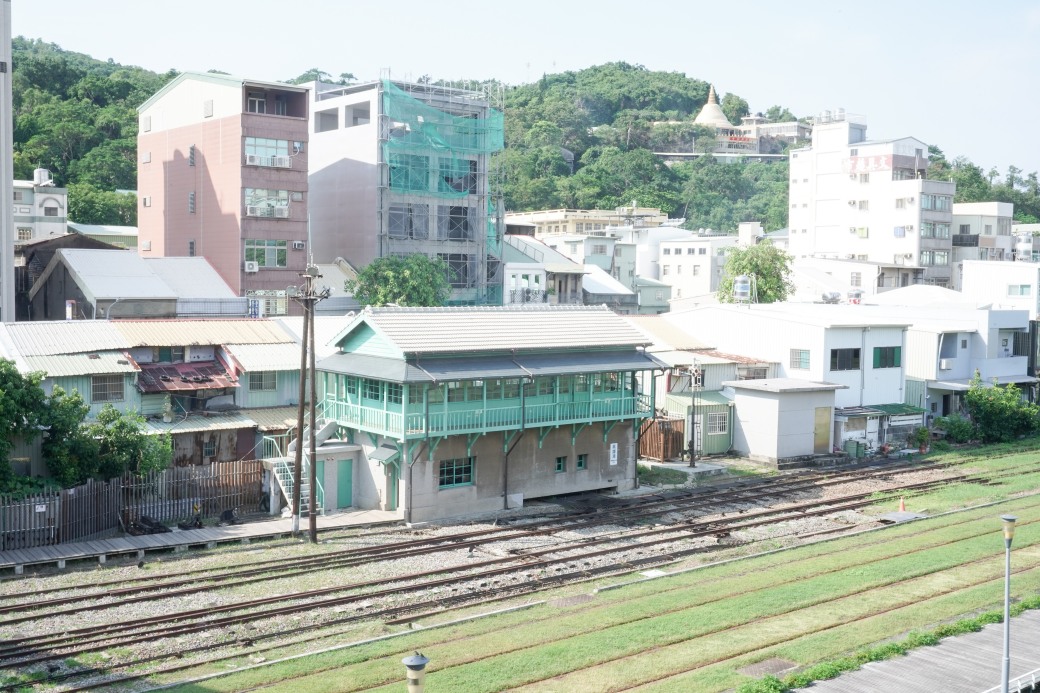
184 377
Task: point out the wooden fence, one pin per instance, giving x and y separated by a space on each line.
100 507
663 439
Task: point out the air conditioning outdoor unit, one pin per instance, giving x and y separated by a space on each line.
298 245
252 266
852 203
944 364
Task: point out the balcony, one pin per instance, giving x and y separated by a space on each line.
269 161
527 296
965 240
484 420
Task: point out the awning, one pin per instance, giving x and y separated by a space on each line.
858 411
197 422
184 377
965 384
897 409
385 454
704 397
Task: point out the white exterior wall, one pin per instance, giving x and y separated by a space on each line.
30 211
737 331
343 178
991 282
182 105
831 201
693 274
771 425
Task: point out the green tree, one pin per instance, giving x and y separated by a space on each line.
779 114
770 266
734 107
415 280
999 413
22 402
71 457
89 205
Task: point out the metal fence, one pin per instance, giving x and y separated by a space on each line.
99 508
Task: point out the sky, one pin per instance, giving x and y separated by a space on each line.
946 72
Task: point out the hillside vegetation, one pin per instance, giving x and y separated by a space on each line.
582 139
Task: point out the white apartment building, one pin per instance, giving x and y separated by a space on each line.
859 199
693 267
582 249
40 208
981 231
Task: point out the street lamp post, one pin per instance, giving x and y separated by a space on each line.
1009 534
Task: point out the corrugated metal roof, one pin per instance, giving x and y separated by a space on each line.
897 409
64 365
102 229
194 423
64 337
507 328
190 277
107 274
187 332
326 329
272 418
266 357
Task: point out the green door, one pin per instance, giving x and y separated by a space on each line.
345 484
392 475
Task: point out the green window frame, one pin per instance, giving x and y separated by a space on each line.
456 472
209 448
371 389
565 384
887 357
561 464
352 387
583 461
415 394
494 388
511 388
394 393
456 391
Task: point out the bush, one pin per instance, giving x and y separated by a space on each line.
958 429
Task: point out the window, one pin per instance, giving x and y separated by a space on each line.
678 269
456 472
1019 290
256 103
19 196
665 270
50 211
900 203
752 372
261 202
146 201
561 464
326 120
696 270
209 448
702 251
459 272
938 203
863 232
864 178
272 301
191 248
456 223
987 229
25 233
856 279
266 151
408 221
266 253
371 389
394 393
583 461
717 423
887 357
863 205
262 381
800 359
964 229
599 249
666 251
106 388
457 176
844 359
191 155
691 251
191 202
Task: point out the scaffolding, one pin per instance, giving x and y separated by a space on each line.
438 194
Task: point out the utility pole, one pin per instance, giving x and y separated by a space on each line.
307 297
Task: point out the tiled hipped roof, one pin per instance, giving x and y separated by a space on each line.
464 330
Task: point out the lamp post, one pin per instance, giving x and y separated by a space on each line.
1009 534
416 671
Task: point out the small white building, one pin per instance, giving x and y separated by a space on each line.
981 231
782 418
40 208
1006 284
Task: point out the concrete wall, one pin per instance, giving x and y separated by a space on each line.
532 470
769 426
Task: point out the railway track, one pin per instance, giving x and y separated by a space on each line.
704 516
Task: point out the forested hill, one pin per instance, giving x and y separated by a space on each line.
580 139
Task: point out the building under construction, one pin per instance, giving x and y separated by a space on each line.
400 168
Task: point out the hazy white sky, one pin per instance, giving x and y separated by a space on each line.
960 74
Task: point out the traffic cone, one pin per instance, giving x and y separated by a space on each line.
902 505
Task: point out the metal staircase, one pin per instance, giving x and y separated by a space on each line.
283 469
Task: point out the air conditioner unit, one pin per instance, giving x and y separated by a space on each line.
252 160
910 200
852 203
298 245
297 197
909 227
252 266
908 256
944 364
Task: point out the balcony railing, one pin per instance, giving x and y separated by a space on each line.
965 240
527 296
267 211
457 421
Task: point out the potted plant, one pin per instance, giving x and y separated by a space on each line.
920 437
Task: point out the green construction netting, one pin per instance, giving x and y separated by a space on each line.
429 151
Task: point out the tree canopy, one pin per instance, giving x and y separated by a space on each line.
415 280
998 413
769 265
